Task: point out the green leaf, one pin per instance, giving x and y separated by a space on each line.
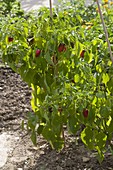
58 144
40 129
33 137
94 101
99 68
110 85
109 127
27 74
105 78
73 124
87 137
100 155
63 68
57 123
76 78
48 133
88 57
100 139
100 95
104 111
46 85
49 76
48 58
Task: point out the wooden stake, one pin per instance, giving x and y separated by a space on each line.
105 31
51 14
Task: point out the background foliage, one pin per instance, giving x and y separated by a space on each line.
10 6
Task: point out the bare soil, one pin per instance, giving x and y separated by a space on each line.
15 98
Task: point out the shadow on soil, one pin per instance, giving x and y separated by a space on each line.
73 157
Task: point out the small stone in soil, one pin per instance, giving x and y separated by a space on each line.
85 159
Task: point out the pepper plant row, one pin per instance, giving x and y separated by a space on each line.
66 63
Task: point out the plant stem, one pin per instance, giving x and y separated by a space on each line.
105 30
55 61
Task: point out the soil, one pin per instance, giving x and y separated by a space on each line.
15 98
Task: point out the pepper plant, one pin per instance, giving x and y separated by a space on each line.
66 63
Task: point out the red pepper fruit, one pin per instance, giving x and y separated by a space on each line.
85 113
82 53
61 47
10 39
37 53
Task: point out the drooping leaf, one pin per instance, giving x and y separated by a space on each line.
87 137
